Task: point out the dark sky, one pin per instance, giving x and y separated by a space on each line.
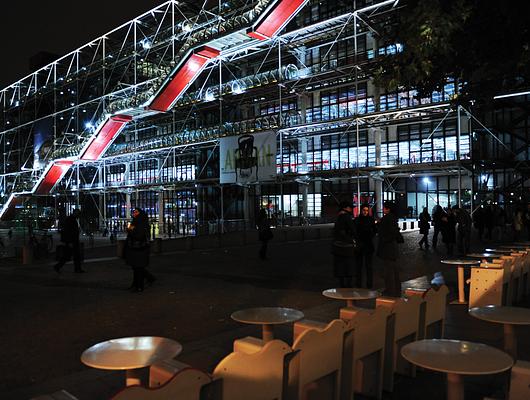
57 26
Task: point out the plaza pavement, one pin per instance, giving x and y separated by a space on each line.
49 319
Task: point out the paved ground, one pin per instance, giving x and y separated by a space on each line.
50 319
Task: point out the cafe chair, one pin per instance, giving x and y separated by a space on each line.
186 384
320 347
432 321
60 395
262 375
163 371
520 381
248 345
507 279
406 329
518 275
367 347
490 283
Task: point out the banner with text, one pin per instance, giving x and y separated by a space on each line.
248 158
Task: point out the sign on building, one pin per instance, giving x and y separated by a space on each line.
248 158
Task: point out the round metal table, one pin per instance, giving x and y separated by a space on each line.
456 358
461 264
131 354
267 317
351 295
509 317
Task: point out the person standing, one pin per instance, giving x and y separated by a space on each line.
264 232
344 245
425 226
463 219
437 216
518 223
137 249
387 249
365 231
70 238
449 231
478 221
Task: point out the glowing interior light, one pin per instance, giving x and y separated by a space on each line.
426 180
208 96
186 27
146 44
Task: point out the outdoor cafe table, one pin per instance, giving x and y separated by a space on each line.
461 264
351 295
509 317
267 317
484 256
500 251
132 354
456 358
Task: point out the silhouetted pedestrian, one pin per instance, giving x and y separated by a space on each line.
365 231
449 231
425 226
463 219
70 238
344 245
264 232
387 249
137 249
437 216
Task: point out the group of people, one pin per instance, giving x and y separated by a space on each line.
454 224
353 246
135 252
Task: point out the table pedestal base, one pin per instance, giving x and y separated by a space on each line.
267 333
135 377
510 341
455 387
461 295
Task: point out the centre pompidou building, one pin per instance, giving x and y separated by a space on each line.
202 116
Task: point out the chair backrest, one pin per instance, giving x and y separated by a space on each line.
257 376
320 351
436 304
185 385
369 330
407 311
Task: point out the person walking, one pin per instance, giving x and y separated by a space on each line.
344 245
365 231
449 231
478 222
137 249
437 216
425 226
464 221
70 238
389 236
264 232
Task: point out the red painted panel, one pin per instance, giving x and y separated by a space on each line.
53 175
282 13
185 75
208 52
8 211
257 35
105 136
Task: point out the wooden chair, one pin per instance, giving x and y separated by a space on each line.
507 279
432 320
320 347
406 328
262 375
186 384
486 285
518 275
367 346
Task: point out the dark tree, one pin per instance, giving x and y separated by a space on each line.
483 44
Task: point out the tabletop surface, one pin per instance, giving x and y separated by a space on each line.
515 246
351 293
130 352
502 315
456 356
460 261
267 315
481 255
504 251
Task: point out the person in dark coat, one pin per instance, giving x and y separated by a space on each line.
343 248
463 219
387 249
449 231
70 238
264 232
425 226
365 231
437 215
137 249
479 222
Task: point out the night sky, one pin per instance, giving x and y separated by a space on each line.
57 26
